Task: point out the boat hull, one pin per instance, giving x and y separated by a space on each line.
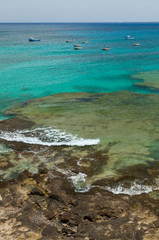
34 40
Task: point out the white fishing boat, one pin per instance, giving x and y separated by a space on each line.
128 37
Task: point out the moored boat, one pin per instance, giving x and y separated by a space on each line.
77 48
136 44
31 39
107 48
69 41
85 42
77 45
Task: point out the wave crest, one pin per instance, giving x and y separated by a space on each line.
47 137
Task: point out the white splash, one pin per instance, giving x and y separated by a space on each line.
135 189
47 137
79 182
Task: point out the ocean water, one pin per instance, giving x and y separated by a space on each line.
119 131
31 70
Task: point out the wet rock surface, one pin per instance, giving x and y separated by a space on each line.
45 206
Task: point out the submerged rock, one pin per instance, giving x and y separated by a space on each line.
149 80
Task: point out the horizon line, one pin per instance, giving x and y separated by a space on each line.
119 22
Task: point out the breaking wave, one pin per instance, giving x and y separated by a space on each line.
47 137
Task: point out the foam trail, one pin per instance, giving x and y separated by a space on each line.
135 189
47 137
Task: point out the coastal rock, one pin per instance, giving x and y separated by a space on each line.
61 213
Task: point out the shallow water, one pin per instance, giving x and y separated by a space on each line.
30 70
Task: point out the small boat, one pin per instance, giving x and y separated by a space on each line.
136 44
85 42
31 39
77 45
69 41
77 48
128 37
107 48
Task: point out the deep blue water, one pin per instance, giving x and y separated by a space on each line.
31 70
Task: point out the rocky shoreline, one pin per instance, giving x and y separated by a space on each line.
44 206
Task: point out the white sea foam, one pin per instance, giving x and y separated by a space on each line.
136 188
80 177
79 182
47 137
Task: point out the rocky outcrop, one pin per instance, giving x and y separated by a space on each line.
45 207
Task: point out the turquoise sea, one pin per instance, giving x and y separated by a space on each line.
30 70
